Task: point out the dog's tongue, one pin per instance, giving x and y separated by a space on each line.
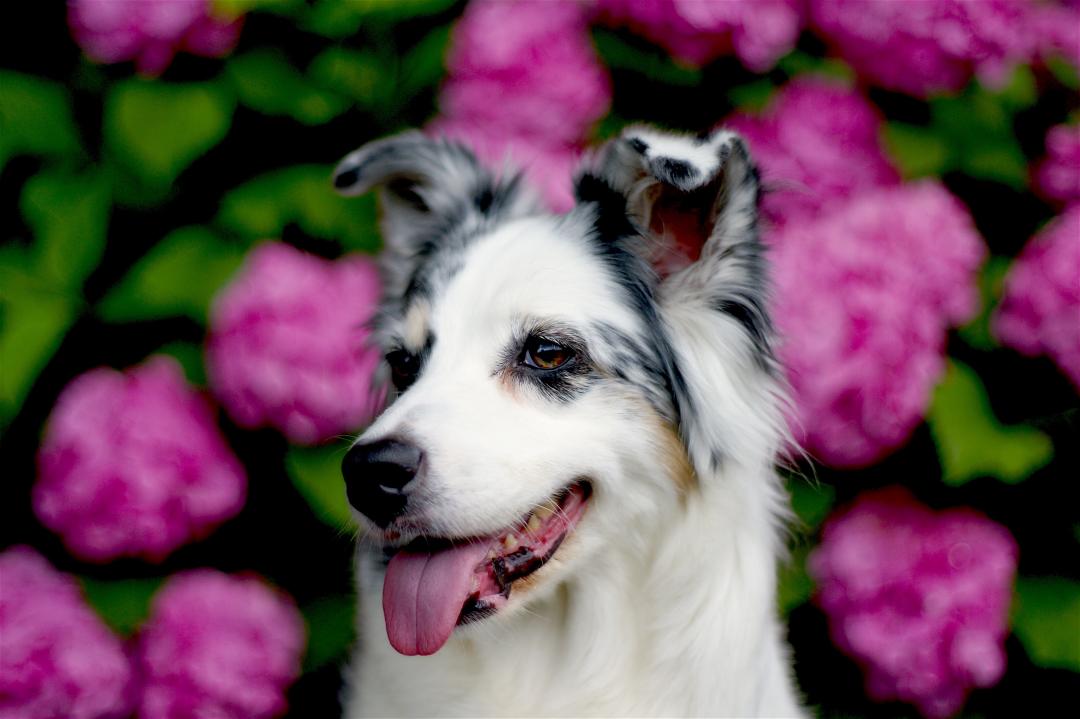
424 592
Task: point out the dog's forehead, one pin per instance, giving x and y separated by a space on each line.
543 268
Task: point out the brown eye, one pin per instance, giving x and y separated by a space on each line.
545 354
404 366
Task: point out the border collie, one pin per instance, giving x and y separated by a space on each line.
570 507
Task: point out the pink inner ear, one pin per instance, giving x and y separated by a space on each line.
679 231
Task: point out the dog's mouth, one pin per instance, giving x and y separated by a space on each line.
433 585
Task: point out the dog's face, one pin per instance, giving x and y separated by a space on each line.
539 408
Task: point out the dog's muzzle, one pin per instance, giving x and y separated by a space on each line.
377 478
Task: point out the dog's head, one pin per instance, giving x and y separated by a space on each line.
540 363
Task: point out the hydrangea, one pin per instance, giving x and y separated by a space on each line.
1040 311
287 343
57 658
929 46
817 143
863 298
695 32
1057 177
132 463
218 646
920 599
524 85
150 32
1056 30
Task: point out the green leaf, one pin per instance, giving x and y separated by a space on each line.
917 151
991 283
797 63
1021 92
1065 72
69 216
266 82
316 473
157 129
752 97
124 604
178 276
364 77
977 126
1046 618
971 442
32 324
35 118
652 62
424 66
794 585
190 357
811 502
331 624
303 195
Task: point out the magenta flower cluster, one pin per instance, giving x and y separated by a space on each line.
869 273
217 645
132 464
150 32
927 46
525 85
1057 176
759 32
57 658
1040 310
287 343
919 598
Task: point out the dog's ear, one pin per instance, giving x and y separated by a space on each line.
428 189
689 207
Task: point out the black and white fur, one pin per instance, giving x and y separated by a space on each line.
662 601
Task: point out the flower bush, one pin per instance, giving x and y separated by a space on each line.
920 598
286 343
133 464
216 645
920 213
57 658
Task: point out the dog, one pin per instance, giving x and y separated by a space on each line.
570 506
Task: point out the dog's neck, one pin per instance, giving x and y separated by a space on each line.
688 627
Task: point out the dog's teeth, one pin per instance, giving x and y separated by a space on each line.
535 523
510 541
543 512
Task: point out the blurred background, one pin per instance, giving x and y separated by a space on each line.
183 299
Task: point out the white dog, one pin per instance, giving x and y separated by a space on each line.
571 506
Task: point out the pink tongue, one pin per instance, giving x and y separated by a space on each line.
423 595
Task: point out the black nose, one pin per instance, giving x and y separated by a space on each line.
376 476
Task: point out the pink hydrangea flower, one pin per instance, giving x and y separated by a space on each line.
1040 311
218 646
132 463
57 658
1058 176
524 87
817 143
864 295
929 46
1056 30
287 343
150 32
919 598
696 32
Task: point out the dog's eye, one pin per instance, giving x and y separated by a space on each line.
404 366
545 354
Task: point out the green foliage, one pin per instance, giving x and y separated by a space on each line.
190 357
303 195
178 276
991 283
812 502
336 19
794 585
917 151
331 630
971 442
316 473
155 129
124 604
35 118
617 53
32 324
797 63
69 216
1047 620
364 77
265 81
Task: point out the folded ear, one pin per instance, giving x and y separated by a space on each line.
430 190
